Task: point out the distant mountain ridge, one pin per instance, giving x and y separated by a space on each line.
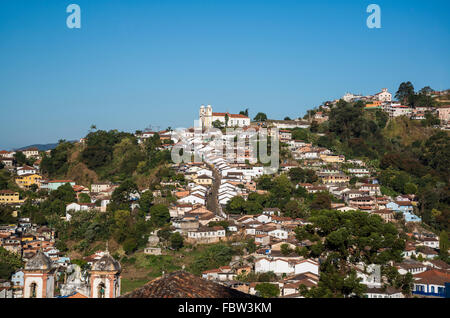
43 147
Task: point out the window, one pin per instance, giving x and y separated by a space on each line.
33 287
101 290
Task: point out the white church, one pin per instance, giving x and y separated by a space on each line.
207 118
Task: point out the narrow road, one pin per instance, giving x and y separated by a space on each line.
212 202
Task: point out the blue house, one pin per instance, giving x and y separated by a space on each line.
17 278
409 217
400 206
432 283
406 208
55 184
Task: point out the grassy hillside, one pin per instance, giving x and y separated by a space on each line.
406 131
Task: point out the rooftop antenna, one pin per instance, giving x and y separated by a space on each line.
107 250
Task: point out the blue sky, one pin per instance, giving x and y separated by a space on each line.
136 63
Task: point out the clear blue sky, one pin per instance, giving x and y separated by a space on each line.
135 63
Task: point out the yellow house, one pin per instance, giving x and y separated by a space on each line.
335 178
8 196
332 158
26 180
203 180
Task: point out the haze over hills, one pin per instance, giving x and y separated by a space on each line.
42 147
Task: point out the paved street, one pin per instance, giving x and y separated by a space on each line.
212 202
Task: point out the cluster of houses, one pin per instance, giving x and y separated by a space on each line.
383 101
198 213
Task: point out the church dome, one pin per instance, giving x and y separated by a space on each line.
107 263
39 262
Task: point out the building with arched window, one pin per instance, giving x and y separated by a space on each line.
39 278
105 278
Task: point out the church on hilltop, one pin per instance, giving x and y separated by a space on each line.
209 119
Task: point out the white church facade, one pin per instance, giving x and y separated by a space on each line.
207 118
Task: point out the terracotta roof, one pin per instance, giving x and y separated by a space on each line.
388 290
439 263
403 203
26 168
229 115
181 284
434 276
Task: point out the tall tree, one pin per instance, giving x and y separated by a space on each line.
260 117
244 112
404 92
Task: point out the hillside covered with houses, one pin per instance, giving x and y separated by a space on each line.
359 205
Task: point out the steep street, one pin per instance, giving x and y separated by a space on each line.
212 202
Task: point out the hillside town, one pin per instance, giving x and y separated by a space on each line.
232 197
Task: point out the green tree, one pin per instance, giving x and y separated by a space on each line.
267 290
84 198
159 214
9 263
285 249
321 201
260 117
217 124
444 245
145 201
176 241
410 188
314 127
123 193
20 158
297 175
404 92
236 205
264 182
130 245
293 209
212 257
244 112
300 134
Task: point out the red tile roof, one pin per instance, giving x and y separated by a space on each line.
434 277
184 285
229 115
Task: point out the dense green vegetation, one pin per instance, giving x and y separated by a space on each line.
267 290
112 155
343 239
9 263
411 158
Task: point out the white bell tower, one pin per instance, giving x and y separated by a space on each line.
206 116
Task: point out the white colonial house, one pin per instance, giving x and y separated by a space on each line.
207 118
100 187
383 96
207 233
193 199
26 170
279 234
281 266
77 207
